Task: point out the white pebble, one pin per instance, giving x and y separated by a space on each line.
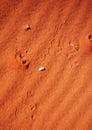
27 27
42 69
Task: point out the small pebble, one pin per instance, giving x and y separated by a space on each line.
27 27
42 69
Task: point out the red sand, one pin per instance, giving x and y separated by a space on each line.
59 98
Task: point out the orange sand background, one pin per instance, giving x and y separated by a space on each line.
59 98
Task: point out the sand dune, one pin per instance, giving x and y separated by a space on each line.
59 39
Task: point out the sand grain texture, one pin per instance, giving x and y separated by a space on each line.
59 38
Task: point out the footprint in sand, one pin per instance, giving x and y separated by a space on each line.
23 58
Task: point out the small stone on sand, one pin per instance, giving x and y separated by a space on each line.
27 27
42 69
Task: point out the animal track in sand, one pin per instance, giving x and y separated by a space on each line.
86 45
74 47
33 117
23 58
33 108
90 38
